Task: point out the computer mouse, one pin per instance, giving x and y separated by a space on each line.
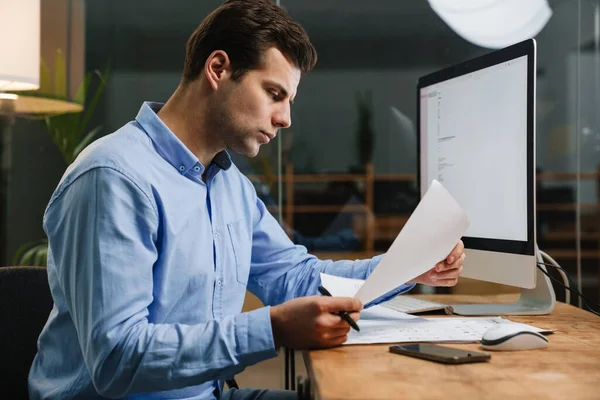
512 337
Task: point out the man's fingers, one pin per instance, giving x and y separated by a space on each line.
329 333
338 340
334 321
355 315
332 342
448 274
458 263
456 252
337 304
446 282
444 266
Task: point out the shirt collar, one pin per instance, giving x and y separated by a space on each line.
168 145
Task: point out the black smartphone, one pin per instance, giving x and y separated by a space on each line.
442 354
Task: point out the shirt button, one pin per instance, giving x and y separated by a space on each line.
182 168
196 168
219 283
216 233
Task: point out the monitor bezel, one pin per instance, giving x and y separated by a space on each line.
525 48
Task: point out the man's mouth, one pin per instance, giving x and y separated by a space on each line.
269 136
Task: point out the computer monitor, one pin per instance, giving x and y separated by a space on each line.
476 135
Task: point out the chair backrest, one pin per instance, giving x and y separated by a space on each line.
25 303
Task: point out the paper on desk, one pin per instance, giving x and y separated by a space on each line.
439 330
381 313
347 287
339 286
428 236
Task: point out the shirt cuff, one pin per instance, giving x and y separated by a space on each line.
390 295
373 263
254 336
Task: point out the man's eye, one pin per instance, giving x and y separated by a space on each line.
274 94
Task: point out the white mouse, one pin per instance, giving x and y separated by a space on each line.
512 337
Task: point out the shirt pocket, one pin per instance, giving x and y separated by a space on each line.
241 243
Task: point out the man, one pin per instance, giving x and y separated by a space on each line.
154 236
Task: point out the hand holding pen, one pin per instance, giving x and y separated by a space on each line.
345 316
313 322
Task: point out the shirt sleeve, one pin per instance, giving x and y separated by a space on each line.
281 271
102 231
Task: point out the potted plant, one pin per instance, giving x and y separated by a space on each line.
69 132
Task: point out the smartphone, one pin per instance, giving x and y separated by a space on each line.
442 354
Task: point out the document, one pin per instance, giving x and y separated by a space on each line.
427 238
339 286
379 324
437 330
382 313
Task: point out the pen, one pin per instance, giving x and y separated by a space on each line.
345 316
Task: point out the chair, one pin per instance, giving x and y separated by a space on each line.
25 303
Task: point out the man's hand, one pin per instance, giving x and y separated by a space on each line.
310 323
446 272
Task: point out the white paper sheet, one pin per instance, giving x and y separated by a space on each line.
339 286
439 330
428 236
382 313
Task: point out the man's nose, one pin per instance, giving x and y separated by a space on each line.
282 119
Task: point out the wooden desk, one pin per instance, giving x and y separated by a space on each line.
568 369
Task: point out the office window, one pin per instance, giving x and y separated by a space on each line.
342 178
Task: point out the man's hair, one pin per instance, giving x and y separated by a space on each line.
244 29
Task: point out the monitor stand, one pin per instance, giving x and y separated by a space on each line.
537 301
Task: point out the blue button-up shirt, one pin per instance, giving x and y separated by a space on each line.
148 267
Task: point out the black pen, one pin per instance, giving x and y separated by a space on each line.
345 316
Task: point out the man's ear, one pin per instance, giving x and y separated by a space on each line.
217 68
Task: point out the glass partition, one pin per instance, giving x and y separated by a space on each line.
350 155
342 179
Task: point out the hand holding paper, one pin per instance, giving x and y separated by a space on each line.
428 236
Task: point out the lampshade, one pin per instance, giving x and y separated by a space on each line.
19 45
60 25
494 23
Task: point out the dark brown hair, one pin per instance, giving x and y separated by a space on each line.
244 29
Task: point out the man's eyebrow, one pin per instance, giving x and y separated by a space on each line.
283 91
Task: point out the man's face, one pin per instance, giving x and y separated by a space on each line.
248 112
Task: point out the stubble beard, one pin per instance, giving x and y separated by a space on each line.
235 137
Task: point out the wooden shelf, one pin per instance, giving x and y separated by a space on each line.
567 176
372 227
396 177
570 254
571 236
332 177
568 207
346 255
343 177
317 209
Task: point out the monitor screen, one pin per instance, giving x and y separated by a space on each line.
476 135
475 127
476 138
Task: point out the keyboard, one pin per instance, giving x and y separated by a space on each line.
409 304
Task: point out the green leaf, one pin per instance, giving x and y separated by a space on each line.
69 131
32 253
89 110
82 89
60 75
28 257
45 79
73 134
41 256
19 253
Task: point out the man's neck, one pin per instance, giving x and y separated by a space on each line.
188 123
